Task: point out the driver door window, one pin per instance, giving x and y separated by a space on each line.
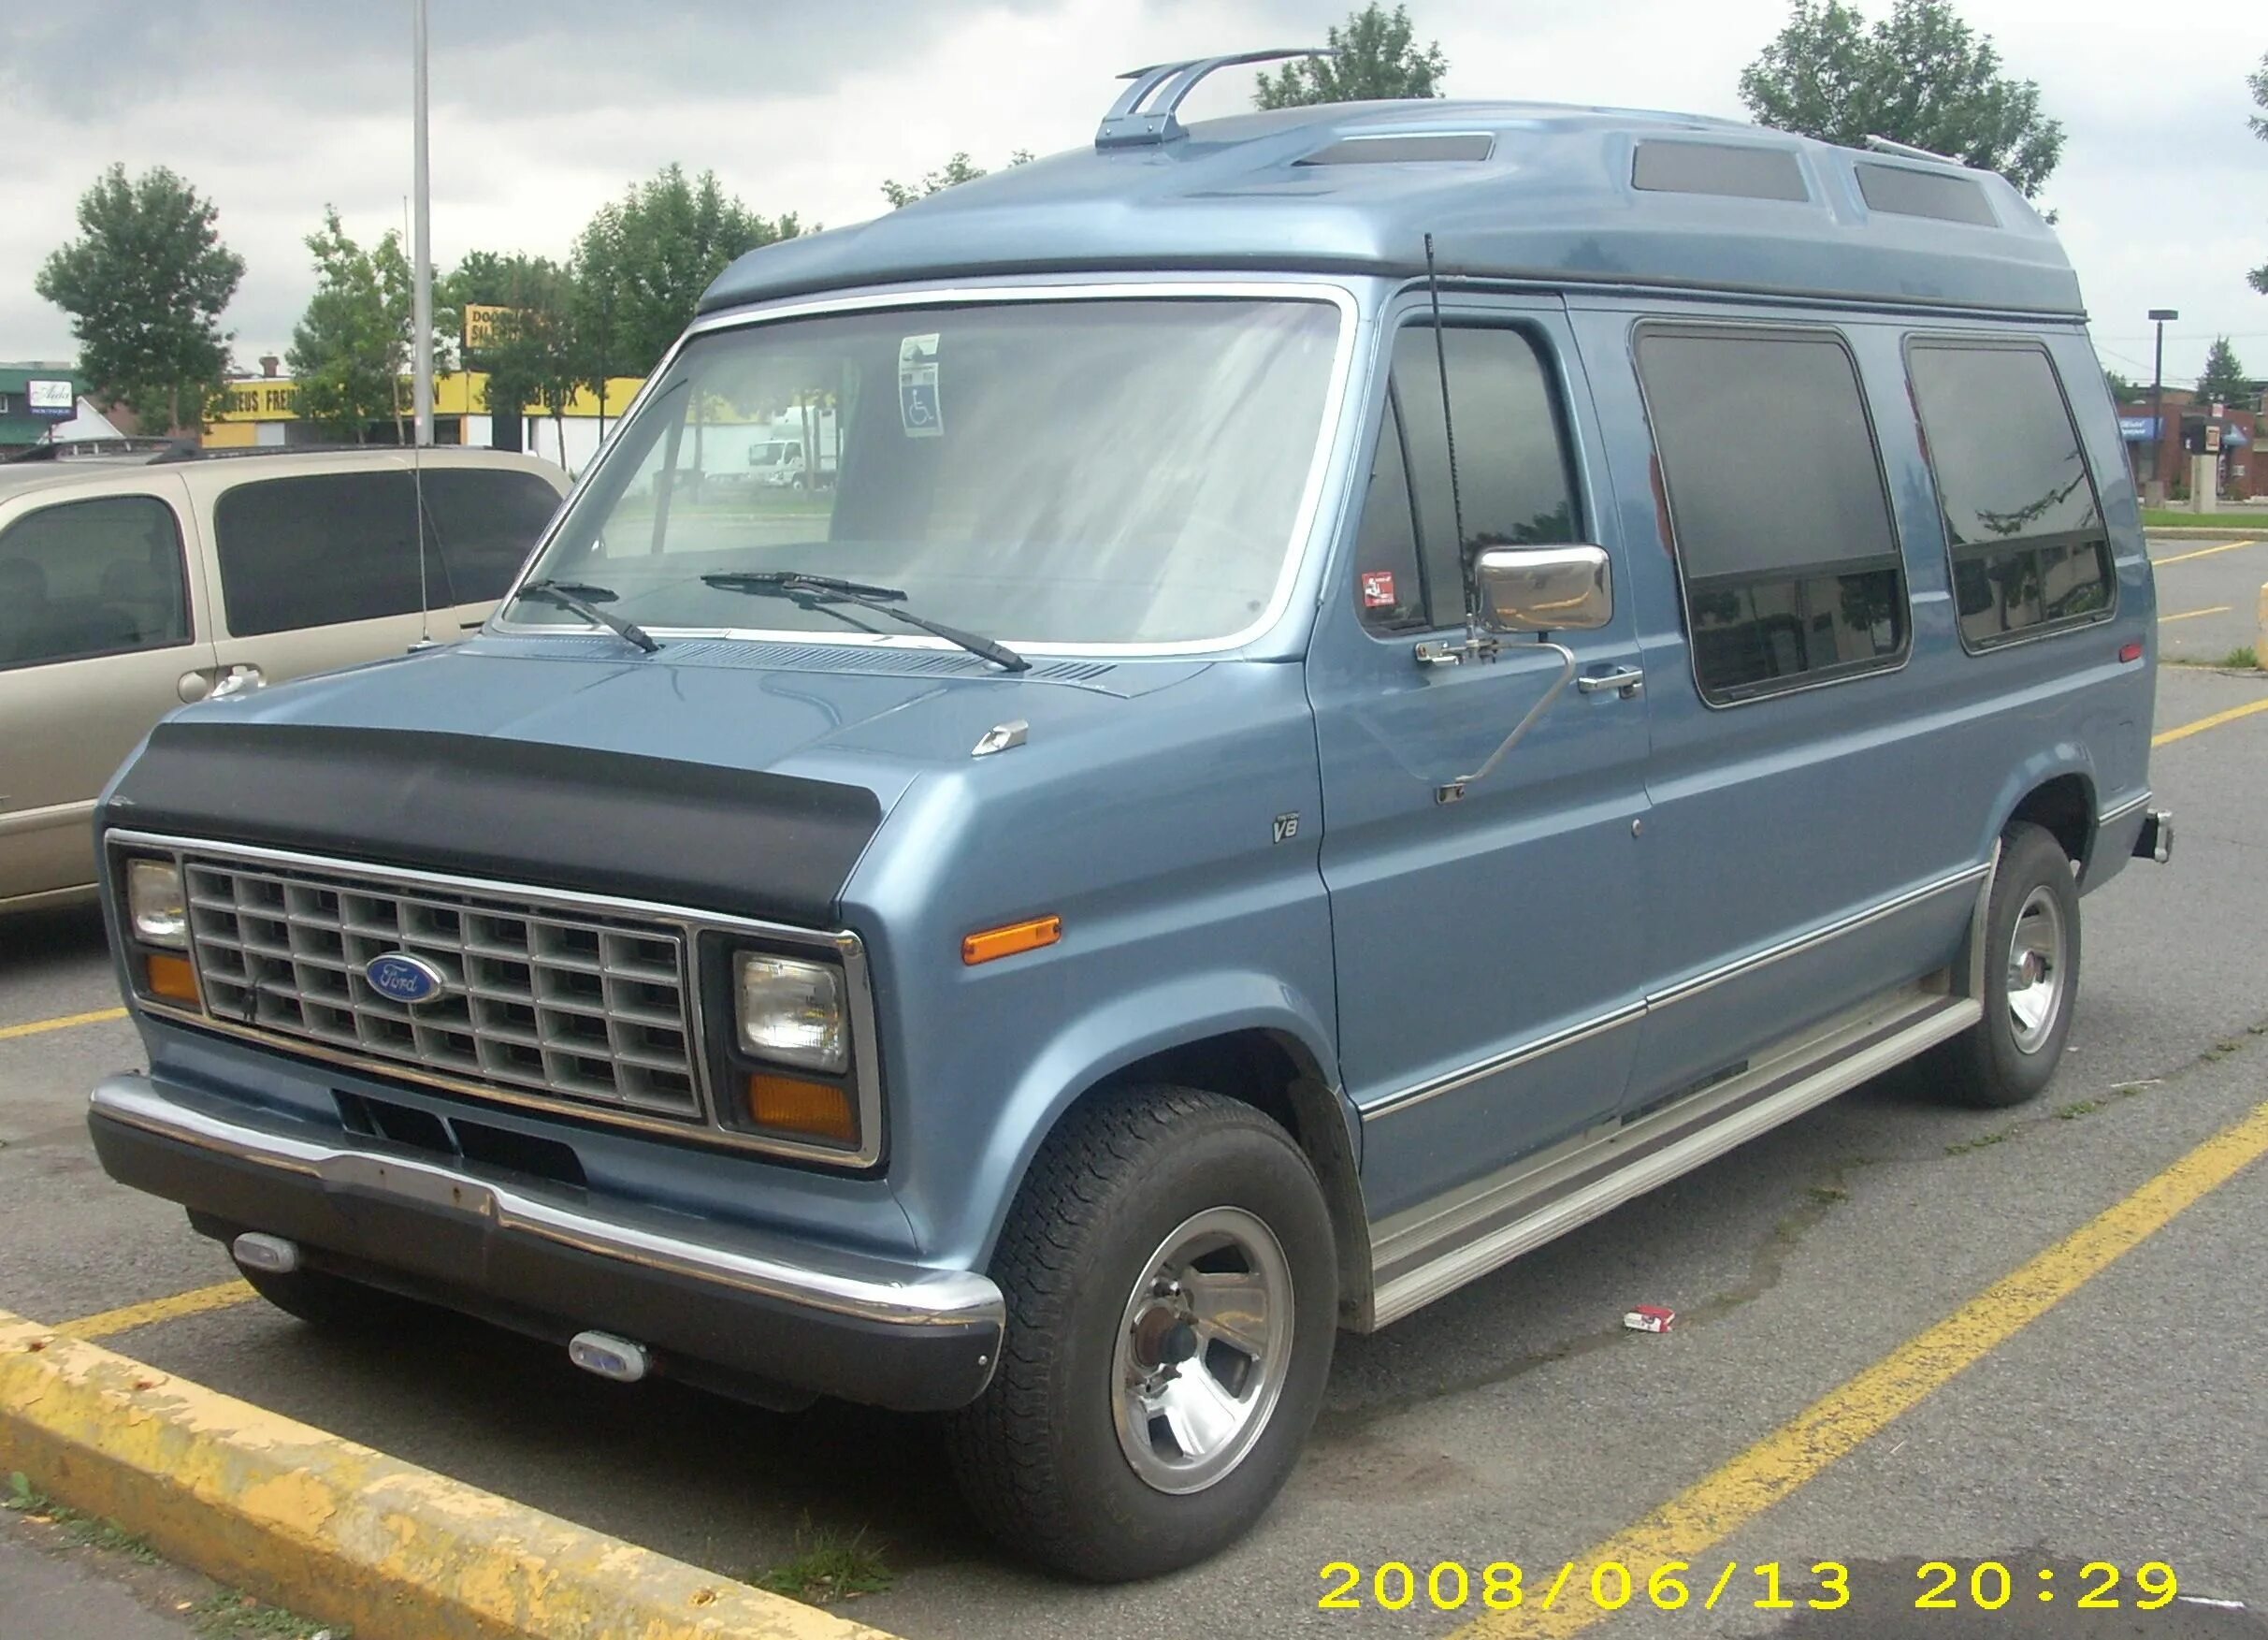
1515 483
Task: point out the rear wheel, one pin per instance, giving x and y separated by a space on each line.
2031 976
1172 1289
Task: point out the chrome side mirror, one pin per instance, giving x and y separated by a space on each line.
1545 589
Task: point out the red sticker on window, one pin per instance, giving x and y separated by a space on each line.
1378 590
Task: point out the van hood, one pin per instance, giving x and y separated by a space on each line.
704 779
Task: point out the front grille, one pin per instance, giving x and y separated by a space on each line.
587 1009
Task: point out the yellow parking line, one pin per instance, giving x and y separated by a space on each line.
2193 614
2231 716
195 1302
2203 552
1706 1514
64 1024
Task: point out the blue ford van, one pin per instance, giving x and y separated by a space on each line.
1367 683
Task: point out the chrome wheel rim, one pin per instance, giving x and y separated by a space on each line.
1203 1345
2036 970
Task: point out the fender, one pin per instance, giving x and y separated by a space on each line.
1126 1028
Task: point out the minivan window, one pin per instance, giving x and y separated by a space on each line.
484 522
93 577
2028 545
1514 477
319 550
1086 470
1777 506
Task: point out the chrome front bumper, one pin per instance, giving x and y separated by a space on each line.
549 1261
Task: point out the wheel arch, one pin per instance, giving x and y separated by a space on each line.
1247 1036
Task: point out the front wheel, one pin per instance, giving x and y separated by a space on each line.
1172 1295
2031 976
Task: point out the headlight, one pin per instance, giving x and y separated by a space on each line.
791 1013
155 907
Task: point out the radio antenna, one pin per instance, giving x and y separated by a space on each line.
1449 434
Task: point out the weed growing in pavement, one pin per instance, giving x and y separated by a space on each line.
80 1529
2244 658
1828 1194
1979 1143
230 1614
828 1569
2071 1112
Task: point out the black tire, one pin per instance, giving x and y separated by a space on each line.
1039 1456
1989 1065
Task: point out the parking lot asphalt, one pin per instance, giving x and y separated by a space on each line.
1514 1421
2209 595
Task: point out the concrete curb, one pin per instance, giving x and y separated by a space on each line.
2205 532
338 1531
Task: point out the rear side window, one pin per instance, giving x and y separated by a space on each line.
2029 549
320 550
484 522
1517 484
1777 506
94 577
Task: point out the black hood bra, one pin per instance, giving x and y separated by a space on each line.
742 842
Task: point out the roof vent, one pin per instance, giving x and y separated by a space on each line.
1406 148
1129 124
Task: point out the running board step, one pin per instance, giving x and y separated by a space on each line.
1434 1249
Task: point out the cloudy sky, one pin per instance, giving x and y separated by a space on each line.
272 108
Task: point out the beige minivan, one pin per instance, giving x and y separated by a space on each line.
130 586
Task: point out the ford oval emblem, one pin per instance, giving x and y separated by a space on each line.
401 978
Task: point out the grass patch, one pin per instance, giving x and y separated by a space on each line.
2235 520
1828 1194
230 1614
829 1567
2082 1107
80 1529
2244 658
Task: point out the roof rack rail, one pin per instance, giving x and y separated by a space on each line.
1129 124
1906 151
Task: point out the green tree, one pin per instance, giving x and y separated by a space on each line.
1378 57
145 287
960 169
2124 390
1920 76
642 261
2224 379
351 348
529 352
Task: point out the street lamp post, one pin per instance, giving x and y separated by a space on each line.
2154 491
421 239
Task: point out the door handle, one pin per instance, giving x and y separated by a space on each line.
1627 682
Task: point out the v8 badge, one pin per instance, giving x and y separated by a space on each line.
1287 827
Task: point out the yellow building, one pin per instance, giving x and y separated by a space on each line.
264 410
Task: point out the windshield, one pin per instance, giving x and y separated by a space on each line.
1095 470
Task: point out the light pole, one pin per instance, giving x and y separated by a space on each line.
2154 490
420 236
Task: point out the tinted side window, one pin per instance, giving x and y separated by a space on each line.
1777 506
95 577
316 551
1516 482
484 524
2028 544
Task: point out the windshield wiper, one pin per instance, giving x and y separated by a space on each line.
814 590
579 598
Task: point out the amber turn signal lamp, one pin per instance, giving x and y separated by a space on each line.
171 978
1012 940
809 1109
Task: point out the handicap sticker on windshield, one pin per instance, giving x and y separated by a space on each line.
918 407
